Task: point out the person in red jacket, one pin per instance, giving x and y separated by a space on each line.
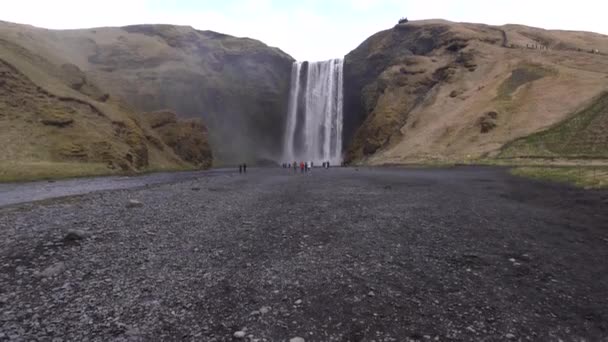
302 167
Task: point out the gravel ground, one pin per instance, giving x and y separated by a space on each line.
338 255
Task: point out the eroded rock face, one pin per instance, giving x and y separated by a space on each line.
187 138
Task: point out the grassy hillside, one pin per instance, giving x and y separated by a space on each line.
55 122
453 92
583 135
238 86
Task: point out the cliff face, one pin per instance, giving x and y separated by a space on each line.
238 86
441 90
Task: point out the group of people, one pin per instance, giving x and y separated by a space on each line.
242 168
304 166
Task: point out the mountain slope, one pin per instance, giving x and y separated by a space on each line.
582 136
238 86
436 90
55 122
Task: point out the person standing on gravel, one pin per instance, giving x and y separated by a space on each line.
240 168
244 168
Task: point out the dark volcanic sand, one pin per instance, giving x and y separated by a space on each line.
376 254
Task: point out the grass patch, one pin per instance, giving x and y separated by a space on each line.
524 74
12 172
584 135
29 171
584 177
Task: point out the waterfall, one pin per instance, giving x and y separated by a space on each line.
314 120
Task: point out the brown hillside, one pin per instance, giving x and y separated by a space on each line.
55 122
450 91
238 86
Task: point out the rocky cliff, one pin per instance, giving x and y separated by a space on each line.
436 90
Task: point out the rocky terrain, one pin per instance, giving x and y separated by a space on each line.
437 90
238 86
56 122
337 255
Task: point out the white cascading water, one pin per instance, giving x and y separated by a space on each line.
314 121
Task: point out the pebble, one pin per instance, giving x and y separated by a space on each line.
239 334
264 310
371 294
134 204
512 260
52 270
510 336
297 339
298 302
75 235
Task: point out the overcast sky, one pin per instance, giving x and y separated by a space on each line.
306 29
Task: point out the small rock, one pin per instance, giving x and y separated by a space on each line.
264 310
254 313
371 294
132 331
298 302
52 270
134 204
427 337
510 336
471 329
196 189
75 235
512 260
239 334
297 339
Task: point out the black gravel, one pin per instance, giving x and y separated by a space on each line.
344 254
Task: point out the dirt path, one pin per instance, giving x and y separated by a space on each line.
15 193
345 255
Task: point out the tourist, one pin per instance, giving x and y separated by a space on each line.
244 168
301 167
240 168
